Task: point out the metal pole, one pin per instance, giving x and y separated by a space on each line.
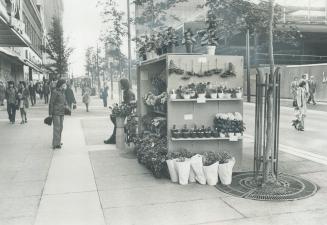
98 72
248 66
129 39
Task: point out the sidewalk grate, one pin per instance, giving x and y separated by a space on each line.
288 188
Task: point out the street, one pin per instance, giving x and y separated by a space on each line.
37 181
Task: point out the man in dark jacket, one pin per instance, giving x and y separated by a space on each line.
70 97
104 96
46 91
11 96
32 90
57 111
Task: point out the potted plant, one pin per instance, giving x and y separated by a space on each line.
170 160
151 47
173 95
175 132
183 167
230 72
225 168
210 167
201 132
189 40
121 112
171 40
213 93
141 47
239 92
186 93
197 166
208 132
215 133
201 90
185 132
228 93
194 132
160 43
220 92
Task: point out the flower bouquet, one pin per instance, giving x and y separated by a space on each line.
225 168
210 167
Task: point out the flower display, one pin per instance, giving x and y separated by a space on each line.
122 110
229 123
151 100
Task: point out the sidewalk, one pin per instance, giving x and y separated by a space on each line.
90 183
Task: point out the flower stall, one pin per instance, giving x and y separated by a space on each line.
191 102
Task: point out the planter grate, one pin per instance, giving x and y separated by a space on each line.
288 188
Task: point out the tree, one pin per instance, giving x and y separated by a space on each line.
57 49
90 64
154 13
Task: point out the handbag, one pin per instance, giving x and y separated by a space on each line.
48 120
68 112
74 106
295 103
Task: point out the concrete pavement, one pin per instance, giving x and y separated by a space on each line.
88 182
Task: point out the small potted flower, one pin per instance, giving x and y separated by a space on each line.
201 90
171 40
215 133
213 93
186 93
189 40
185 132
194 132
173 95
220 92
228 93
208 132
210 168
225 168
239 92
175 132
201 132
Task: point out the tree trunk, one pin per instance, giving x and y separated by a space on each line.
268 176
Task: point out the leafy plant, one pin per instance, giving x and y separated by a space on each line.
122 110
209 158
201 88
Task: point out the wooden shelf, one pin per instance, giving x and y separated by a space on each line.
207 99
203 139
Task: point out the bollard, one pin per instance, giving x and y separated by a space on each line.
120 133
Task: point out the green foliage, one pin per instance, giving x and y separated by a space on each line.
57 49
122 110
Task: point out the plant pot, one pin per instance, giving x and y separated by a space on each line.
231 134
222 135
172 170
197 166
176 135
211 50
221 95
173 96
189 48
187 96
238 135
186 134
228 95
215 134
213 95
183 171
191 178
211 173
239 95
120 121
202 95
225 172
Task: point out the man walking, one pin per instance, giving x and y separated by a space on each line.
11 96
46 92
312 90
104 96
32 90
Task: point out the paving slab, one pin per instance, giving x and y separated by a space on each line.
18 207
21 189
179 213
70 209
251 208
165 193
317 217
18 221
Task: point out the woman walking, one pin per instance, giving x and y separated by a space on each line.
301 108
11 96
23 103
87 98
128 97
57 111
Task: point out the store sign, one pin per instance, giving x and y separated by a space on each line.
188 117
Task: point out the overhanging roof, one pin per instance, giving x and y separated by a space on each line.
12 56
10 37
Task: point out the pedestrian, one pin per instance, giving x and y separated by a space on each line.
2 93
312 90
301 108
70 97
32 90
104 96
128 97
57 112
46 92
11 96
293 88
23 103
87 97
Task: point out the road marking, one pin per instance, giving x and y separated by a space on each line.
298 152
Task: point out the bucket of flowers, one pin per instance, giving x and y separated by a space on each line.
170 160
210 167
225 168
121 112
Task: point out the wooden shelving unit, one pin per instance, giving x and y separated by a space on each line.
189 111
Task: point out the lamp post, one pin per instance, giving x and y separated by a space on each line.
129 39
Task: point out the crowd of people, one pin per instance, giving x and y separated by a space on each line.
303 92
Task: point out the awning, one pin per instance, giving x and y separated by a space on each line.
10 37
12 55
33 66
